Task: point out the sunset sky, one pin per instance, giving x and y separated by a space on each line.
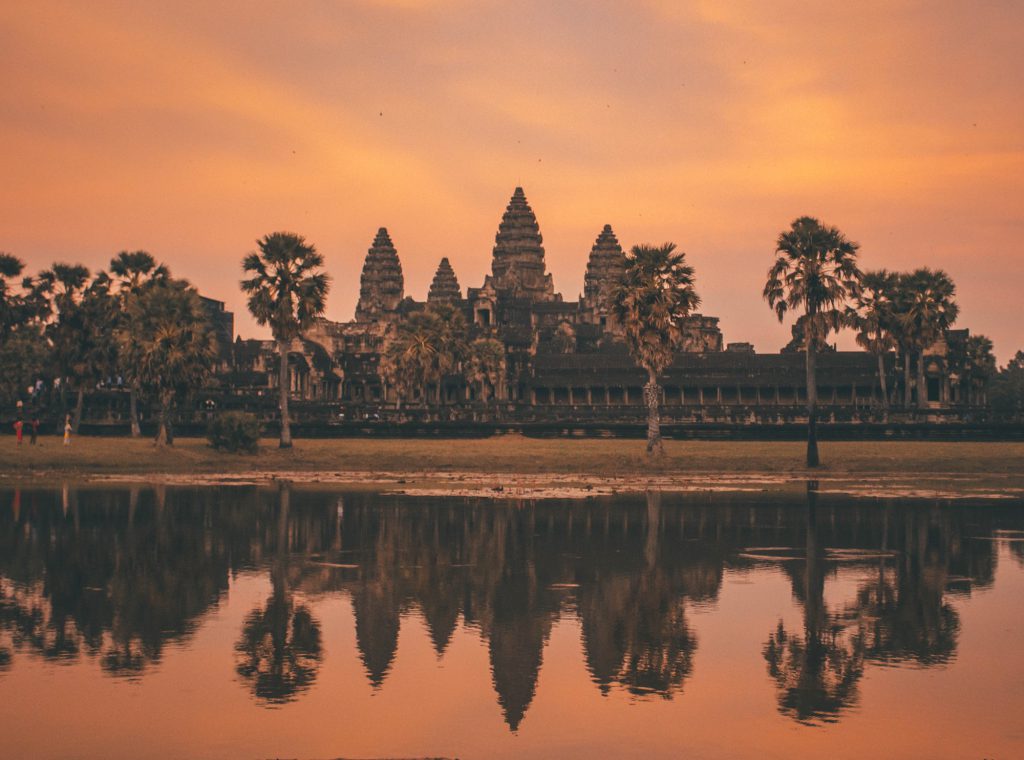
191 129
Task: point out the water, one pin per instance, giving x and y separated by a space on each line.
265 622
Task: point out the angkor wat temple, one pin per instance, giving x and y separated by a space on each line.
565 359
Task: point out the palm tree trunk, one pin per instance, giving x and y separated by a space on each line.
907 399
882 385
654 443
63 403
133 410
652 528
79 404
162 436
282 380
922 384
812 405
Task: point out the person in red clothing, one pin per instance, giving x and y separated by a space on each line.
19 429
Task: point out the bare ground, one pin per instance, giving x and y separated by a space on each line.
513 466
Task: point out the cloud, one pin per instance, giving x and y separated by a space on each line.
191 132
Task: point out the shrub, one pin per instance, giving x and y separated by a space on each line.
234 431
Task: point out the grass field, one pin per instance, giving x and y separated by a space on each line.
508 454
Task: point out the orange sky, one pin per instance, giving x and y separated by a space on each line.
190 129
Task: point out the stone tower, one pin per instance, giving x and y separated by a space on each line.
381 286
518 261
605 268
445 286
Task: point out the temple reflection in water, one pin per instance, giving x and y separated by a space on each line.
115 575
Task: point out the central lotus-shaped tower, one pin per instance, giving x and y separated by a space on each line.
517 266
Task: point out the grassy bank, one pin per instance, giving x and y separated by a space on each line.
509 454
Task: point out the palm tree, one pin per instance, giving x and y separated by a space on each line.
10 301
449 327
133 271
174 348
423 350
816 273
288 292
927 310
652 302
816 674
874 318
408 358
280 648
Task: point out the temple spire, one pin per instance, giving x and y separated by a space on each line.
605 267
381 286
445 286
518 259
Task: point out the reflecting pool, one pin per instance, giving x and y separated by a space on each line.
306 622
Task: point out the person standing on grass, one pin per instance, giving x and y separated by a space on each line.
19 427
67 430
33 430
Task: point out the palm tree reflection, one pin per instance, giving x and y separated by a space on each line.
279 650
816 674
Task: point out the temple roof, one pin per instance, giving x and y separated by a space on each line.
381 286
445 286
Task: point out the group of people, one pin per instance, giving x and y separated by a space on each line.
33 428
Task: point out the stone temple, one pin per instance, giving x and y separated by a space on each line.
565 360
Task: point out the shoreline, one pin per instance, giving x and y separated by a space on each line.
515 467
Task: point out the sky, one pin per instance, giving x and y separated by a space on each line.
190 129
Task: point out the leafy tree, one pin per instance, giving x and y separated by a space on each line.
926 310
288 292
96 355
24 350
450 335
815 273
485 366
132 271
973 365
408 357
67 283
425 348
1007 392
12 302
874 319
564 339
24 357
174 348
652 302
